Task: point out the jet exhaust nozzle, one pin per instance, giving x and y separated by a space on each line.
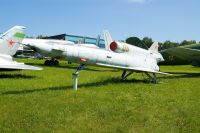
119 47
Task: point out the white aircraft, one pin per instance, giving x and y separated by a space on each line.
9 44
119 55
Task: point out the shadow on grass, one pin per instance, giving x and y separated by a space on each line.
181 75
5 76
90 69
93 84
100 83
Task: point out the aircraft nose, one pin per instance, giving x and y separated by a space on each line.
162 59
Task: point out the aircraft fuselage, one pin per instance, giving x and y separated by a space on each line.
93 56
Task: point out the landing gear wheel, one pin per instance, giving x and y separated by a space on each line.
47 62
51 62
154 80
56 63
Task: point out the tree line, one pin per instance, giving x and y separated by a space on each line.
148 42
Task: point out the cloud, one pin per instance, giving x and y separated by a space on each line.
138 1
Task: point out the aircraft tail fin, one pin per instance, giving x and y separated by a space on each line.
154 47
11 40
108 39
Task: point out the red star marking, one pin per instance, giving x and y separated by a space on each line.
10 43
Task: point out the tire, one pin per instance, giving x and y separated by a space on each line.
51 63
56 63
47 62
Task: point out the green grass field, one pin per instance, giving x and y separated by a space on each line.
44 101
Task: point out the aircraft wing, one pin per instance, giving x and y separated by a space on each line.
137 69
185 53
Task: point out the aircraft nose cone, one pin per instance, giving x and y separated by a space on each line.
162 59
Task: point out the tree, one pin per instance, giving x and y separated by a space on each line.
185 42
136 42
168 44
147 41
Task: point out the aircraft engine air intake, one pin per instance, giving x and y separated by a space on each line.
119 47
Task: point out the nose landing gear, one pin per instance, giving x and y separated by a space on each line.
75 75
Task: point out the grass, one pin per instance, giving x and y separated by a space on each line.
44 101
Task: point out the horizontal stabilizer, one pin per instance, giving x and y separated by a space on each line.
6 62
18 66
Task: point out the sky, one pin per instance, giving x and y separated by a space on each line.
174 20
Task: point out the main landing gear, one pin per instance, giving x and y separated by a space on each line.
152 79
125 75
52 62
75 75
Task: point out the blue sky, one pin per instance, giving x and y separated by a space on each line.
162 20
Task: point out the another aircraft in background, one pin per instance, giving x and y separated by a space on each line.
118 55
189 53
9 44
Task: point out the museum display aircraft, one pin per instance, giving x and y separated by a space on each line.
119 55
190 53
